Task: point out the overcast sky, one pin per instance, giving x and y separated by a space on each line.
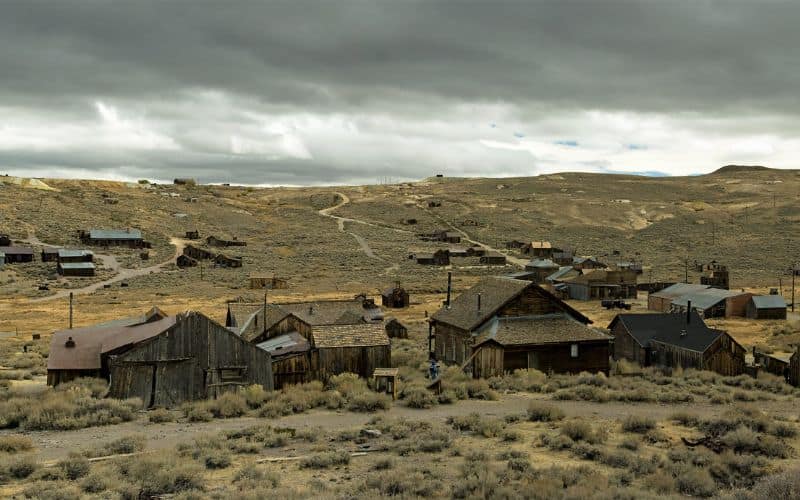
327 92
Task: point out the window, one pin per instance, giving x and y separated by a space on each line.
573 351
231 374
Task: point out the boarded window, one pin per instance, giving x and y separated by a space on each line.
573 350
231 374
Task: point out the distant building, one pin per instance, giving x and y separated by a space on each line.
395 329
713 303
766 307
438 258
598 284
101 237
771 364
213 241
715 275
76 269
49 254
268 281
395 297
64 256
17 255
676 341
538 249
193 235
493 259
661 301
185 261
542 268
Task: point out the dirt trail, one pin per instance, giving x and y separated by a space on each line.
110 261
326 212
54 445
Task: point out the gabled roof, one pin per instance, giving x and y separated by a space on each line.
769 302
358 335
330 312
495 292
669 329
604 277
67 253
678 289
562 272
536 330
542 264
705 299
92 342
76 265
281 345
17 250
115 234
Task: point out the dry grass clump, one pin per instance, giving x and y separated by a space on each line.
638 424
162 474
264 435
160 416
477 424
127 444
541 412
15 444
420 397
17 467
325 460
75 466
252 476
229 405
696 482
580 430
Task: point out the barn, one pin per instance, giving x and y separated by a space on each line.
766 307
194 358
395 297
491 304
676 340
548 343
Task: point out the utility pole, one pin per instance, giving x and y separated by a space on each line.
794 273
70 310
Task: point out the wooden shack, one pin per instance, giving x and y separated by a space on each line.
437 258
193 235
714 303
676 340
395 297
476 251
17 255
198 253
356 348
185 261
538 249
131 238
194 358
766 307
76 269
260 281
49 254
771 364
493 259
213 241
64 256
395 329
492 303
794 368
223 260
598 284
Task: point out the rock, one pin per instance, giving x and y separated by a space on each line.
373 433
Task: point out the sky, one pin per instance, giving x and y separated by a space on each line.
360 92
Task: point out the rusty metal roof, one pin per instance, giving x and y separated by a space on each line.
93 341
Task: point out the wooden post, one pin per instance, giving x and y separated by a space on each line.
70 310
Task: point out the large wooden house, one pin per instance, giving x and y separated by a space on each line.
676 340
598 284
502 324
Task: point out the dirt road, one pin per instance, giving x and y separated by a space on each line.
326 212
54 445
110 261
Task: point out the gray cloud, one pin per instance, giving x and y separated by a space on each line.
318 92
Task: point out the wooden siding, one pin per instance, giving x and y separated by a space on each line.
195 359
451 344
794 369
775 313
55 377
736 306
660 304
627 347
359 360
293 369
494 360
530 302
725 356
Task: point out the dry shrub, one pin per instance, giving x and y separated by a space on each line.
15 444
160 416
163 474
476 424
580 430
52 490
661 482
255 396
95 483
696 482
541 412
347 384
217 459
128 444
479 389
252 476
229 405
419 397
410 484
75 466
197 411
784 486
17 467
638 424
368 401
325 460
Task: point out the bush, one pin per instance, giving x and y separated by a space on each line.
540 412
255 476
160 415
368 401
347 384
783 486
52 490
163 474
475 423
217 459
696 482
127 444
15 444
419 397
325 460
75 466
638 424
18 467
229 405
94 483
383 464
479 389
578 430
255 396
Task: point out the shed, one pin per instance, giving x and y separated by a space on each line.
551 343
358 348
437 258
198 253
78 269
194 358
766 307
676 340
49 254
291 359
395 329
65 255
564 273
458 252
223 260
114 237
714 303
493 259
213 241
772 364
185 261
540 249
598 284
17 255
193 235
476 251
395 297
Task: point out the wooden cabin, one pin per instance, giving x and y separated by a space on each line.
194 358
676 340
395 297
520 325
538 249
794 368
542 268
395 329
131 238
64 255
213 241
198 253
193 235
713 303
771 364
76 269
17 255
493 259
766 307
185 261
458 252
49 254
476 251
587 263
437 258
598 284
223 260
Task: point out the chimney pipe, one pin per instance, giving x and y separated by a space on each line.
449 287
688 312
479 302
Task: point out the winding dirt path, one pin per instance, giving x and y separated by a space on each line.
109 261
326 212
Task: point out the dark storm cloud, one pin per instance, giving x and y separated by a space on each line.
190 82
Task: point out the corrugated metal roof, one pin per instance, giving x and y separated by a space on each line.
289 343
115 234
705 299
77 265
563 271
769 302
542 264
65 253
358 335
17 250
679 289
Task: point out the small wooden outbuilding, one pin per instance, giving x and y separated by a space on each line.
213 241
437 258
17 255
766 307
185 261
131 238
76 269
395 329
193 235
395 297
260 281
493 259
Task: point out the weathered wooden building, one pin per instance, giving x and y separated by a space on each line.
771 364
185 261
493 259
458 252
65 255
766 307
193 235
213 241
395 297
520 325
17 255
198 253
715 275
356 348
713 303
587 263
437 258
49 254
131 238
76 269
661 301
260 281
476 251
539 249
794 368
195 358
395 329
542 268
223 260
598 284
676 340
